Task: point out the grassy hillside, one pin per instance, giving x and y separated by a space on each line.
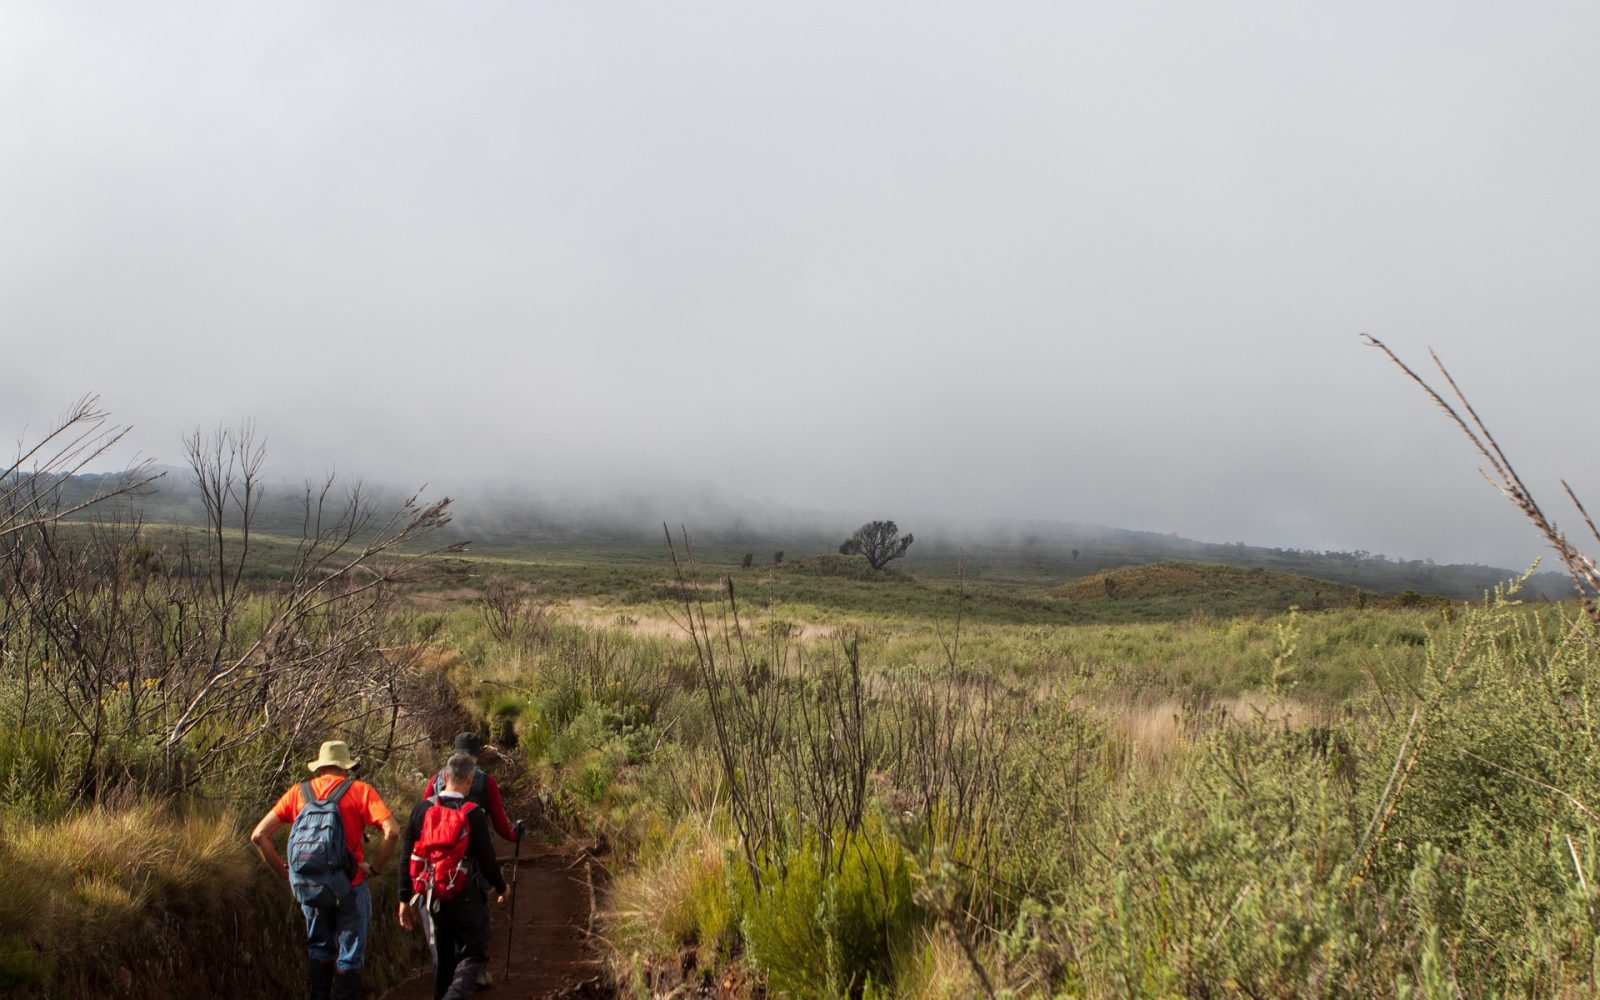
832 588
1168 590
848 780
837 588
1039 554
1214 790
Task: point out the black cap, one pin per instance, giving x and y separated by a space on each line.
469 743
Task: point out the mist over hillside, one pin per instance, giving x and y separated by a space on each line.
499 519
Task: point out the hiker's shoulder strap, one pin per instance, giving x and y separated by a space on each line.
307 794
338 790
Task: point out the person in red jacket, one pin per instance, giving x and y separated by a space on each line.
459 925
485 791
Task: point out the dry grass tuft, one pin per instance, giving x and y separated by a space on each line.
677 900
76 886
1146 734
938 970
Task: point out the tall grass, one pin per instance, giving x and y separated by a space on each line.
1205 807
144 901
105 888
1200 808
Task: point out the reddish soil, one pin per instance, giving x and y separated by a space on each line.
552 957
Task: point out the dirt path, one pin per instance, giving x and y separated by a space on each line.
551 957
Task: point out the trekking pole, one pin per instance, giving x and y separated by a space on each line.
511 919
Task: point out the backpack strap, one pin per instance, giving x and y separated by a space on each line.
306 794
338 790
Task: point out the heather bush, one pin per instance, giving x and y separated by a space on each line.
824 924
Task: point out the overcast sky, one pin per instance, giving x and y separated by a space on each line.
1086 261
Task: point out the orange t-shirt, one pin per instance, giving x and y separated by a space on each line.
359 809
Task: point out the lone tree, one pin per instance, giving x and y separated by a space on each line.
879 541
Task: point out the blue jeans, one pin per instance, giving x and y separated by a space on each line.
340 931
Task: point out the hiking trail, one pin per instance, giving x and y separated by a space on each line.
552 958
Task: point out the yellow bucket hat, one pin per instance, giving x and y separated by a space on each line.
335 753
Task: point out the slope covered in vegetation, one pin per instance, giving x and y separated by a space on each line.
1036 554
811 779
1172 589
919 809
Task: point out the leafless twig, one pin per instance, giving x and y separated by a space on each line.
1584 571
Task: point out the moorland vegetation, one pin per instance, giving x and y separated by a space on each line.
812 778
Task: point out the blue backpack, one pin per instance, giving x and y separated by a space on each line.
320 865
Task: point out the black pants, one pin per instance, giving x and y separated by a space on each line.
460 944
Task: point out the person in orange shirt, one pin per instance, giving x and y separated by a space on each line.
336 935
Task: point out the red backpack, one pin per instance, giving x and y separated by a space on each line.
440 868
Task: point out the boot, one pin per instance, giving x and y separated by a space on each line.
320 979
347 985
466 976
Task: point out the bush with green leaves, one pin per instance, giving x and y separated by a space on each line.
830 922
1429 843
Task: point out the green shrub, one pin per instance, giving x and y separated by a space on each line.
504 711
559 706
32 781
36 750
426 625
22 964
595 774
828 926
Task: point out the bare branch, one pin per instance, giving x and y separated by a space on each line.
1581 568
32 484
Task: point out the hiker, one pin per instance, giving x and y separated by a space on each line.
327 819
485 790
447 859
